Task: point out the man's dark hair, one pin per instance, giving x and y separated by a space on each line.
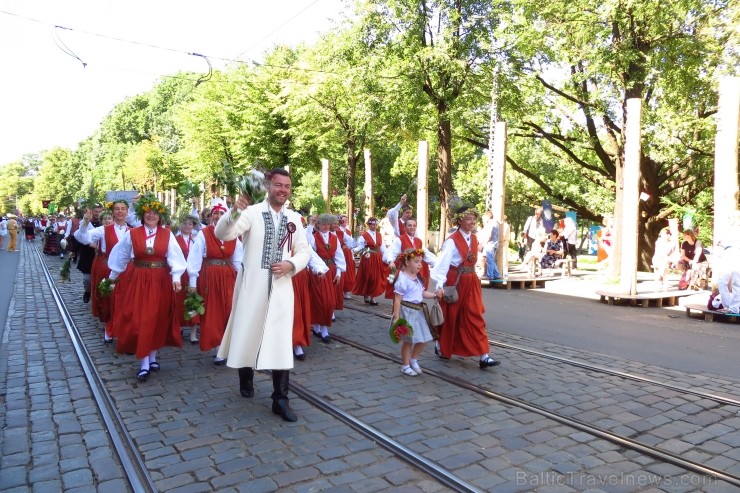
276 171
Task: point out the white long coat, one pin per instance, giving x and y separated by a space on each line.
259 333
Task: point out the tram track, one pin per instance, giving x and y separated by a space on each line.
134 467
621 440
418 461
136 472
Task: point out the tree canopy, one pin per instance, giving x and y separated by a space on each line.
394 72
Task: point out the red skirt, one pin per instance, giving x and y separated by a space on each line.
301 309
464 330
323 297
180 303
216 286
371 276
100 305
144 316
349 277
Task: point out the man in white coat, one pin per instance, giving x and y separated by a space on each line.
259 333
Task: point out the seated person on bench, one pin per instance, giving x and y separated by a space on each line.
728 280
553 250
535 254
665 256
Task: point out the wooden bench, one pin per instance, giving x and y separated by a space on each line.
670 298
709 315
565 265
521 283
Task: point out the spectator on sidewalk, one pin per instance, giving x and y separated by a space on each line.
665 256
532 227
568 235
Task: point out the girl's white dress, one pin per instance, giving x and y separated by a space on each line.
411 290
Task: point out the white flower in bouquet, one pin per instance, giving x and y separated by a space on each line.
254 185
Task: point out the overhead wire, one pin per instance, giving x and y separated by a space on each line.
185 52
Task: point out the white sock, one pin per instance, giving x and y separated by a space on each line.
144 362
484 357
414 362
316 328
324 331
193 332
298 350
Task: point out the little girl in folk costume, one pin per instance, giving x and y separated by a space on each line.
408 304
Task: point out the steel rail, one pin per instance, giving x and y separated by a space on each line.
133 465
628 376
442 475
598 432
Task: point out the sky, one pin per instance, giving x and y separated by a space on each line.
48 98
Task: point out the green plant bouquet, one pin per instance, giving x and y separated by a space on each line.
105 288
188 190
399 330
193 305
392 276
64 272
252 184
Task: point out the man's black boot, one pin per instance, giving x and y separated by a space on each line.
280 384
246 382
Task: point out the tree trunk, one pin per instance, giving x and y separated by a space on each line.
352 159
444 169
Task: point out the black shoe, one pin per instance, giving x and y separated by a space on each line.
143 375
300 357
488 362
326 339
373 303
219 362
438 353
282 409
154 366
246 382
86 297
317 334
195 342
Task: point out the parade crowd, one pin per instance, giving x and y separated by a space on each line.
254 283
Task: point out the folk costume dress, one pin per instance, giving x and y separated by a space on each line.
372 273
259 332
212 267
185 243
51 239
350 274
464 330
325 295
144 319
105 237
401 244
302 300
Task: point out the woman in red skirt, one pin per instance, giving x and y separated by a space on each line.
104 238
373 272
212 267
324 286
144 319
185 238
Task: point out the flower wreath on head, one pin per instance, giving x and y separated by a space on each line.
410 253
149 202
109 205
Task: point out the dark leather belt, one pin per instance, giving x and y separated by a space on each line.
150 264
328 261
217 261
413 306
464 270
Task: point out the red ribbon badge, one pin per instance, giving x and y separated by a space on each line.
288 237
